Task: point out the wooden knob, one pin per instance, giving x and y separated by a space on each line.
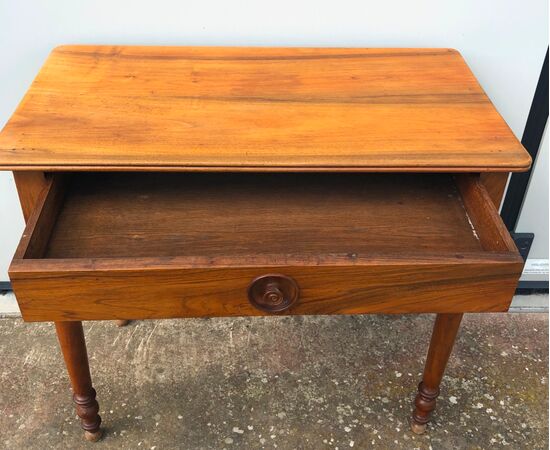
273 292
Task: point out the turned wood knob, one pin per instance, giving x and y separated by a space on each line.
273 292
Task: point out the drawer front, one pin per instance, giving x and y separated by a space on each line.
162 293
54 289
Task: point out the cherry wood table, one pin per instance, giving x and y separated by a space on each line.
162 182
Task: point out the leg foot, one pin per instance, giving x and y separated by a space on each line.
87 409
443 338
93 437
416 428
73 347
424 405
122 323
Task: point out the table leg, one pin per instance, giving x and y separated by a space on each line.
73 346
443 338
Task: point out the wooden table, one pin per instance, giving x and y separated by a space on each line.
161 182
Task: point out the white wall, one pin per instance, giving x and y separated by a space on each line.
504 42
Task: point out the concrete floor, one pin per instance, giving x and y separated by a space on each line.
288 383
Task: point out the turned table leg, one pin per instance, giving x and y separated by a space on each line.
443 338
122 323
73 346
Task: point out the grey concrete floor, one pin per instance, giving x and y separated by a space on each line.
280 382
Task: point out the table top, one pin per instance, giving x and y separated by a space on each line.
222 108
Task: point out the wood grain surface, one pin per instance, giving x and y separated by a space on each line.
493 234
107 215
379 286
29 186
495 184
200 108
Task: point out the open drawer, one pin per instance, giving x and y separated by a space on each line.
154 245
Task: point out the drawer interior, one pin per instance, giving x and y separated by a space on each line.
118 215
